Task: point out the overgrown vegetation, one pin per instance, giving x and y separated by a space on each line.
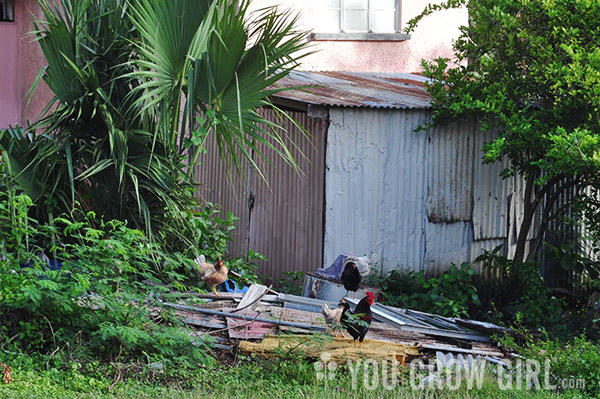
96 300
83 292
451 294
138 87
460 292
576 359
291 283
251 378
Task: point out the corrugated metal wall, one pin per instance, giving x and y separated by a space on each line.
450 164
228 192
376 185
285 222
418 200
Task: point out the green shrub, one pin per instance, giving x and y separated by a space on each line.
574 360
291 283
450 294
104 300
521 291
207 232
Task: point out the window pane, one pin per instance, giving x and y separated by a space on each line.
384 21
328 21
331 4
355 21
384 4
7 10
356 4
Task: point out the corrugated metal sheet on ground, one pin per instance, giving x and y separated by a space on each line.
353 89
385 332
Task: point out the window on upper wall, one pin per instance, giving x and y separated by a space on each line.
358 16
7 11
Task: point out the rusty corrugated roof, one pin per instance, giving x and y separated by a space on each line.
352 89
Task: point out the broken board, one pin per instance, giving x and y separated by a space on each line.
338 349
245 329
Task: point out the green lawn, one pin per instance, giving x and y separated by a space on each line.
250 379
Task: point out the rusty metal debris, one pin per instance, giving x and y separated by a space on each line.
259 316
244 317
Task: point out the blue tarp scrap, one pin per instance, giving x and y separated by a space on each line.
336 269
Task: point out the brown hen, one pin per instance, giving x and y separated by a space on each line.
212 275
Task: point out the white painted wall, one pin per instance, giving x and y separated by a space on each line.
432 39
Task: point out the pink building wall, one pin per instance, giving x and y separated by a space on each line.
20 61
9 82
432 39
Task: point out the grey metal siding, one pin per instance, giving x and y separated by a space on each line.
418 200
376 185
450 162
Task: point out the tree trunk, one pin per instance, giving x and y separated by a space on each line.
529 208
549 213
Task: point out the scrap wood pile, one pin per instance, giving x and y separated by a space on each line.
266 324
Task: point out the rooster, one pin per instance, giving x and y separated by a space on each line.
212 275
351 278
334 316
357 323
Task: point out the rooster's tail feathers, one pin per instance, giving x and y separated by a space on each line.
200 260
326 311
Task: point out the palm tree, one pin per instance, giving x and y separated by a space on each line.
138 86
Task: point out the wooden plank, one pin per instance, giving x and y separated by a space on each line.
339 349
239 316
205 323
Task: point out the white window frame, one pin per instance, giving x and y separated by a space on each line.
340 34
8 10
397 17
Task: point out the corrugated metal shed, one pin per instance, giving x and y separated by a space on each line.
420 200
351 89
